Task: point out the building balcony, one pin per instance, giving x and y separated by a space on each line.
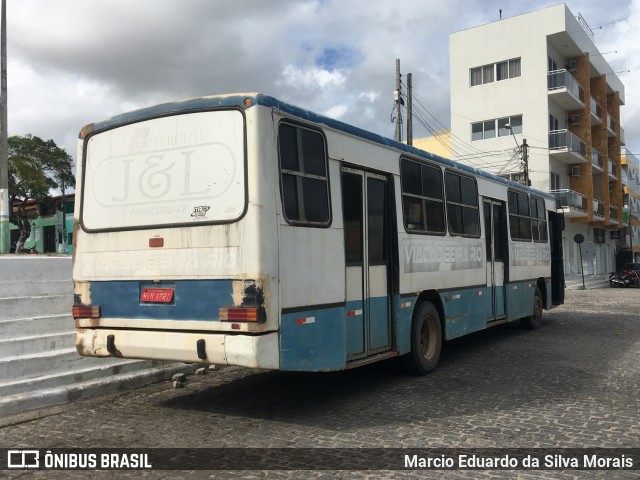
596 113
567 147
612 170
573 204
611 126
613 214
597 162
624 178
628 158
598 210
565 90
622 140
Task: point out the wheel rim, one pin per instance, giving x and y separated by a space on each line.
427 338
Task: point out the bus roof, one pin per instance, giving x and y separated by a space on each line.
238 100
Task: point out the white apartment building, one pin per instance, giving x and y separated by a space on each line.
542 75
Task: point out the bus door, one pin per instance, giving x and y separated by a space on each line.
365 210
496 246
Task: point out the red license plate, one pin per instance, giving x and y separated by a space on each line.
156 295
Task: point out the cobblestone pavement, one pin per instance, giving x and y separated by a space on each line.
575 382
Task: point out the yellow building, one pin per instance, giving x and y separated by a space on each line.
440 144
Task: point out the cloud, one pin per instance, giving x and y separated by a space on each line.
72 62
311 78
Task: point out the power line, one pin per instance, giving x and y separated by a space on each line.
467 153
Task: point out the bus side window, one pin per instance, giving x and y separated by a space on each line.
538 220
304 179
463 214
422 198
519 216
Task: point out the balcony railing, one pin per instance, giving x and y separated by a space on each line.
613 214
612 170
598 208
611 125
568 146
574 203
562 79
629 158
597 159
623 177
596 109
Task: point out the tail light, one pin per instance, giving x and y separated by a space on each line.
238 314
86 311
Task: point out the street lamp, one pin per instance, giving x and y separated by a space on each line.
525 154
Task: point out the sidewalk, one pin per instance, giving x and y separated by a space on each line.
574 282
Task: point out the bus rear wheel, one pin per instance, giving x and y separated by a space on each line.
426 340
534 320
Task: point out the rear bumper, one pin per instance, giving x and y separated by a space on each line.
254 351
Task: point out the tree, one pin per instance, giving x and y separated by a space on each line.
36 167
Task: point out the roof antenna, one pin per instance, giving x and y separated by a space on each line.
500 14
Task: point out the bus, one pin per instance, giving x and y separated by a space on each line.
241 230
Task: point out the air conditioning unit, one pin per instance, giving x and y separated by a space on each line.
575 120
571 65
575 171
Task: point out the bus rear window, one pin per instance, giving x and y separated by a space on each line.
176 170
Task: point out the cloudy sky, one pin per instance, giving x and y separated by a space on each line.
73 62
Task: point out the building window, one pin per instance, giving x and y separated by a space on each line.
495 72
304 182
519 216
463 216
422 198
515 122
514 68
488 128
554 181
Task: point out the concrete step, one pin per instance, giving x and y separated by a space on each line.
34 268
33 399
44 363
11 347
30 288
24 307
105 369
23 327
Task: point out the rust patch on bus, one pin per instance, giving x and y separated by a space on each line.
81 346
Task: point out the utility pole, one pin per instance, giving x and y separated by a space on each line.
398 99
525 162
409 110
5 236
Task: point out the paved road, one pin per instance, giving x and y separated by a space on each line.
575 382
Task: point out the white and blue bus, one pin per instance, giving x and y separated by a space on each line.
241 230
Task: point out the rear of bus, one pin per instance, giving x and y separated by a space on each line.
175 237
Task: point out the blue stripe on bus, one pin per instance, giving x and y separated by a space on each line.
193 299
403 308
355 327
313 340
465 310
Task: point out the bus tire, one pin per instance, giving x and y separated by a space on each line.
534 320
426 340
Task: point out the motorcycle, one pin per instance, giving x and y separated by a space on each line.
626 278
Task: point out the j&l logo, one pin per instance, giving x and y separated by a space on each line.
200 211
